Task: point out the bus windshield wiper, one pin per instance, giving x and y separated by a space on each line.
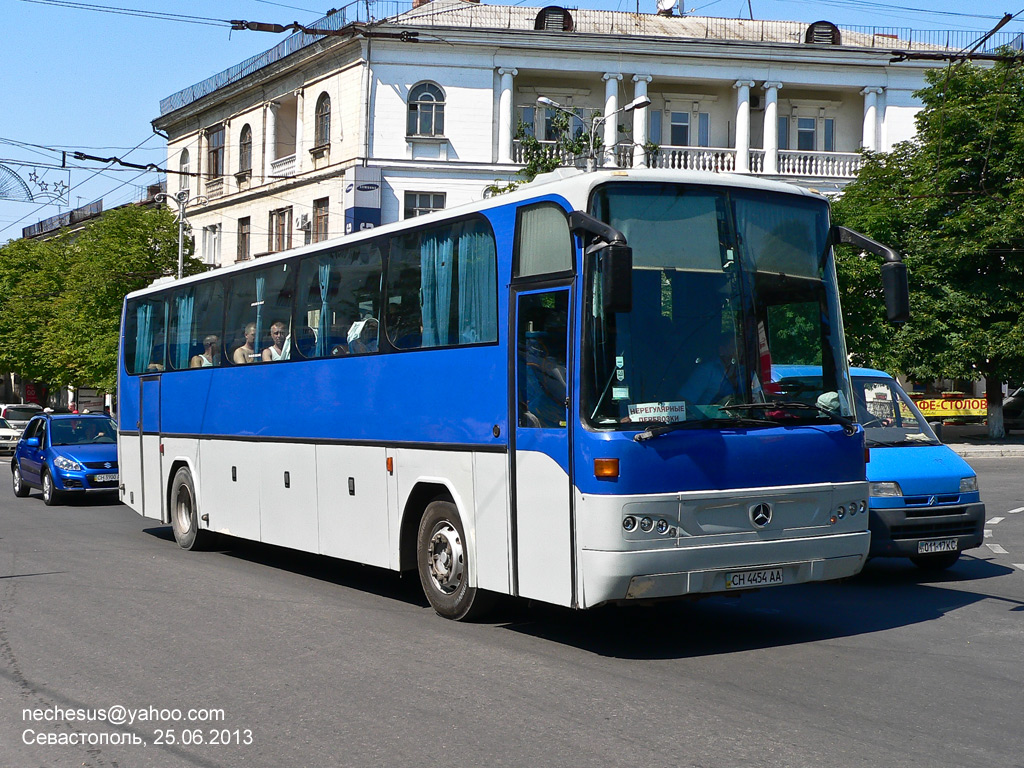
849 425
736 421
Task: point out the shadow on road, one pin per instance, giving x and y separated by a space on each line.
887 594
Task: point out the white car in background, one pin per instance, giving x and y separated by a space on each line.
8 438
18 415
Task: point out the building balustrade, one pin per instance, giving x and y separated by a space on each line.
717 159
833 165
283 166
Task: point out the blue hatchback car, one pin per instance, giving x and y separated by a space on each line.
66 454
924 499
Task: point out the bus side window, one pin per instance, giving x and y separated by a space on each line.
542 372
260 302
144 342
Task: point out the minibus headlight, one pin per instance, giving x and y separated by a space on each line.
841 512
968 484
886 489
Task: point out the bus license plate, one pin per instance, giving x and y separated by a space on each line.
764 578
936 545
104 478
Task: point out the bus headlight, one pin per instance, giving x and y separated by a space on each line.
661 527
886 489
629 523
646 524
968 484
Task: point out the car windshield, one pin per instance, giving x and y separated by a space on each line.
4 424
82 431
726 283
20 414
886 412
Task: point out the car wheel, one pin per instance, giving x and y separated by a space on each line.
51 495
185 511
18 482
443 562
939 562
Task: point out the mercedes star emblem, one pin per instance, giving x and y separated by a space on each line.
761 514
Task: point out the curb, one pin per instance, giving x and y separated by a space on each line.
987 451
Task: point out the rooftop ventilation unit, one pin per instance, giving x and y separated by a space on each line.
555 19
823 33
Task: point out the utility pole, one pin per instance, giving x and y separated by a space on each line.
180 198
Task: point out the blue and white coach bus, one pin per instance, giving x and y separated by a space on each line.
563 393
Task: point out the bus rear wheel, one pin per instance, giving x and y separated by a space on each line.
443 562
185 511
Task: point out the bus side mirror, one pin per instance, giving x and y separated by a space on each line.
616 263
894 271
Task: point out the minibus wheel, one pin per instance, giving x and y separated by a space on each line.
443 562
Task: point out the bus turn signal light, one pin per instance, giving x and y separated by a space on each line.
606 468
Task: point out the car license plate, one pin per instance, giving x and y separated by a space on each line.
104 478
764 578
936 545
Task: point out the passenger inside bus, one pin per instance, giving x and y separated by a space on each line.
280 346
246 353
210 356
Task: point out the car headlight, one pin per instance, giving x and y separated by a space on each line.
62 462
969 484
886 489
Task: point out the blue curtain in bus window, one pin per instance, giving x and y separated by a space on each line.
436 287
323 325
261 291
183 337
144 338
478 310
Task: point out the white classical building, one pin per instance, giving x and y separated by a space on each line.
424 110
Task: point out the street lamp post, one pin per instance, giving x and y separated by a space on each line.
596 121
180 198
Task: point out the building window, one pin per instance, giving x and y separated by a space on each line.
703 129
420 203
183 167
320 219
244 240
576 126
215 151
245 149
679 129
654 126
322 132
211 245
805 139
426 110
783 133
830 135
280 230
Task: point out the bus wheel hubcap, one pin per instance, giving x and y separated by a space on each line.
183 510
446 558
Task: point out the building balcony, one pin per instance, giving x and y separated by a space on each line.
832 165
283 166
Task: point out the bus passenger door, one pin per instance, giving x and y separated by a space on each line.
149 447
542 504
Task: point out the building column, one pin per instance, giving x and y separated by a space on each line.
611 105
869 138
271 137
300 101
506 114
743 124
771 127
640 122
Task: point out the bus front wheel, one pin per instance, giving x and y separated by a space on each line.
443 562
185 511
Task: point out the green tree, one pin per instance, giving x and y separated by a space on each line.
540 157
126 249
952 201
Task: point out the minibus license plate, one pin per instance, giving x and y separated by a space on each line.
105 478
764 578
936 545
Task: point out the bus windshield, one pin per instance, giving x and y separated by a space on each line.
726 283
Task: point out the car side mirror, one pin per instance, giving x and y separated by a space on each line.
616 277
32 442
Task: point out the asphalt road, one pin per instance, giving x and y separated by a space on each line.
321 663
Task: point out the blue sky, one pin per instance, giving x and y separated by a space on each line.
91 81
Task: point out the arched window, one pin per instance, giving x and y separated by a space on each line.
245 149
183 166
322 132
426 110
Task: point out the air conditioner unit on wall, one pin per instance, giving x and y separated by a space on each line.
303 222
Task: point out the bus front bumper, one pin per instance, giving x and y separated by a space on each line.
653 574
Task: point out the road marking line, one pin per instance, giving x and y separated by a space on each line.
987 533
997 549
1019 565
1015 511
995 520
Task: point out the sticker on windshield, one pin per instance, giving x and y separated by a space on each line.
620 393
663 412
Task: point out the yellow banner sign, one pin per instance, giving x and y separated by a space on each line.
942 407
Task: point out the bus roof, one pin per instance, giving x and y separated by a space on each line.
570 183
